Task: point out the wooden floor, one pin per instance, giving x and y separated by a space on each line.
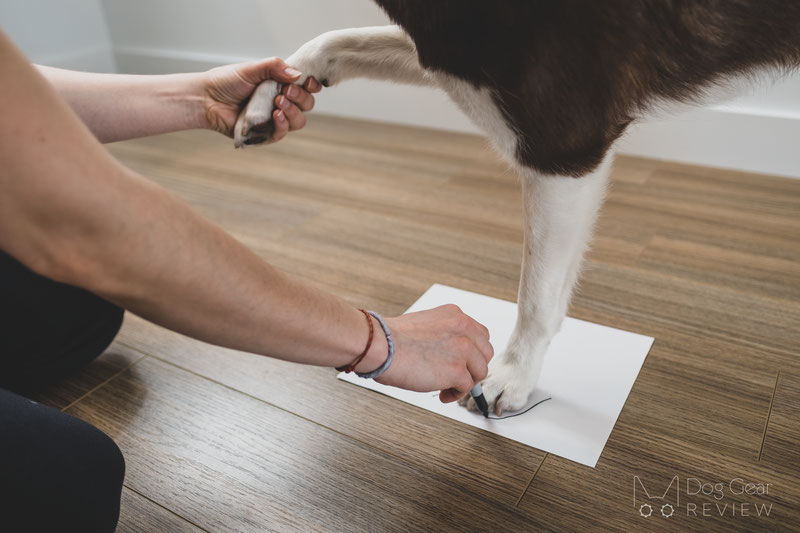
706 261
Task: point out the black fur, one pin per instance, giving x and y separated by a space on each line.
570 75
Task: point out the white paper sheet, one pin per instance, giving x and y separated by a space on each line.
588 371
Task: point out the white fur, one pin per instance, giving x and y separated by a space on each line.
560 211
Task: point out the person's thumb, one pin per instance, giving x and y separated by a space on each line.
271 68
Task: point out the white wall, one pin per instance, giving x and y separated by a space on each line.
758 132
68 34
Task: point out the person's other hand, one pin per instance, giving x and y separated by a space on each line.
440 349
227 89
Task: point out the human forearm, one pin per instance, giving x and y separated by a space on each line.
208 286
71 212
118 106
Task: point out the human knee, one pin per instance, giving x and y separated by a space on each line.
105 459
60 473
96 499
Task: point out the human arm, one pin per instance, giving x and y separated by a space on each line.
116 107
71 212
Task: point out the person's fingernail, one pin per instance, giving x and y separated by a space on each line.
281 117
293 72
293 91
283 103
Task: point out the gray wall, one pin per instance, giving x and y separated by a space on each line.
70 34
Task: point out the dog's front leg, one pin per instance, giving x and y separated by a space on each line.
560 213
382 52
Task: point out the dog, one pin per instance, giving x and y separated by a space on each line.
553 84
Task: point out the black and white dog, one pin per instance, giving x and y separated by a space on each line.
553 83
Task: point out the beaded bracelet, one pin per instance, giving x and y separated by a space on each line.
389 357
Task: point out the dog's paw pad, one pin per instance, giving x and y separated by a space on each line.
259 133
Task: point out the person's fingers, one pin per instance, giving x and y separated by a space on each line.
302 98
296 118
452 395
312 85
448 396
271 68
462 387
483 353
477 366
472 329
461 319
281 125
471 325
483 329
480 337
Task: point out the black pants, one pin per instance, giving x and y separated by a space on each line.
57 473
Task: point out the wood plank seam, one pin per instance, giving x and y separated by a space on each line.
87 393
525 490
769 414
261 400
170 511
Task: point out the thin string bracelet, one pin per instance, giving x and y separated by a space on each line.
389 357
352 366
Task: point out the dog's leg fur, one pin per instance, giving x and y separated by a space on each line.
560 214
382 52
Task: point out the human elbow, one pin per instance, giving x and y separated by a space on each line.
64 262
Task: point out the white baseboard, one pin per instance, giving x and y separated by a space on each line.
95 59
747 140
135 60
741 139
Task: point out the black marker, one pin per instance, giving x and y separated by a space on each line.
480 401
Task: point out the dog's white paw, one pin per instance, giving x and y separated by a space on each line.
316 58
255 124
508 386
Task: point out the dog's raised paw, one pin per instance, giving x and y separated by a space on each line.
255 124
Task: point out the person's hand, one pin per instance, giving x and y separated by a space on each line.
440 349
227 89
